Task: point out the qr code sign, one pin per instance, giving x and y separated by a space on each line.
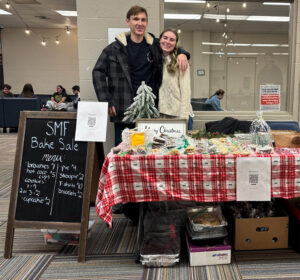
91 121
253 179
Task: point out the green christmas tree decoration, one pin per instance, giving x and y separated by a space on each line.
143 105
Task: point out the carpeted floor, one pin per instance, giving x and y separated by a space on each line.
110 252
116 266
271 264
24 267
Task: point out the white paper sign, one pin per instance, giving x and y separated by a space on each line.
113 32
253 179
270 97
91 121
171 127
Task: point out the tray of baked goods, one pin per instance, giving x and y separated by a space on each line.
206 219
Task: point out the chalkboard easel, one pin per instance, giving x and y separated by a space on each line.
51 185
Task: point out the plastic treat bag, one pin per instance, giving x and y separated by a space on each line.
126 136
260 131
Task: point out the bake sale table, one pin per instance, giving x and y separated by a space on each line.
202 178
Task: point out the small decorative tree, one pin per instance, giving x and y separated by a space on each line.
143 105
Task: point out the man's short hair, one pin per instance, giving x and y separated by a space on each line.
136 10
76 88
6 86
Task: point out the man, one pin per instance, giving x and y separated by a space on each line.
122 66
76 91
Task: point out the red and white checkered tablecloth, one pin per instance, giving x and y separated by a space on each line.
202 178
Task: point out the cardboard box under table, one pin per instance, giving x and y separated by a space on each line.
208 255
293 206
261 233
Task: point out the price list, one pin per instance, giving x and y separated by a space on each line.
52 172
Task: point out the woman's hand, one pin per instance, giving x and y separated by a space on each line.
182 62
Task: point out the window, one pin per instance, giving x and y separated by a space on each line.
239 48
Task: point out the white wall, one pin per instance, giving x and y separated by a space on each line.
269 69
25 60
215 67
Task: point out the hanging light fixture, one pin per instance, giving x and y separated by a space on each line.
68 30
57 41
27 30
7 5
244 5
207 4
217 20
178 29
43 42
228 10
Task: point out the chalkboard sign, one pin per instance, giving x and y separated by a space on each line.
52 172
52 176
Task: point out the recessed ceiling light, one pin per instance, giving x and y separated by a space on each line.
268 18
265 45
239 44
207 52
67 13
182 16
3 12
185 1
280 53
284 45
276 3
212 44
228 17
250 53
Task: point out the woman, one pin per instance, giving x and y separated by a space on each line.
215 100
27 91
58 99
175 90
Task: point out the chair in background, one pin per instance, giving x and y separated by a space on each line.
201 106
202 100
2 124
284 125
13 106
45 97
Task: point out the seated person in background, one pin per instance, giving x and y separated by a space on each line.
27 91
6 91
57 101
214 100
76 91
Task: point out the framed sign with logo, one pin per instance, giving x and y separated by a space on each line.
172 127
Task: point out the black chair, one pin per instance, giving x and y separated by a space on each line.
2 123
13 106
284 125
201 106
43 98
202 100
